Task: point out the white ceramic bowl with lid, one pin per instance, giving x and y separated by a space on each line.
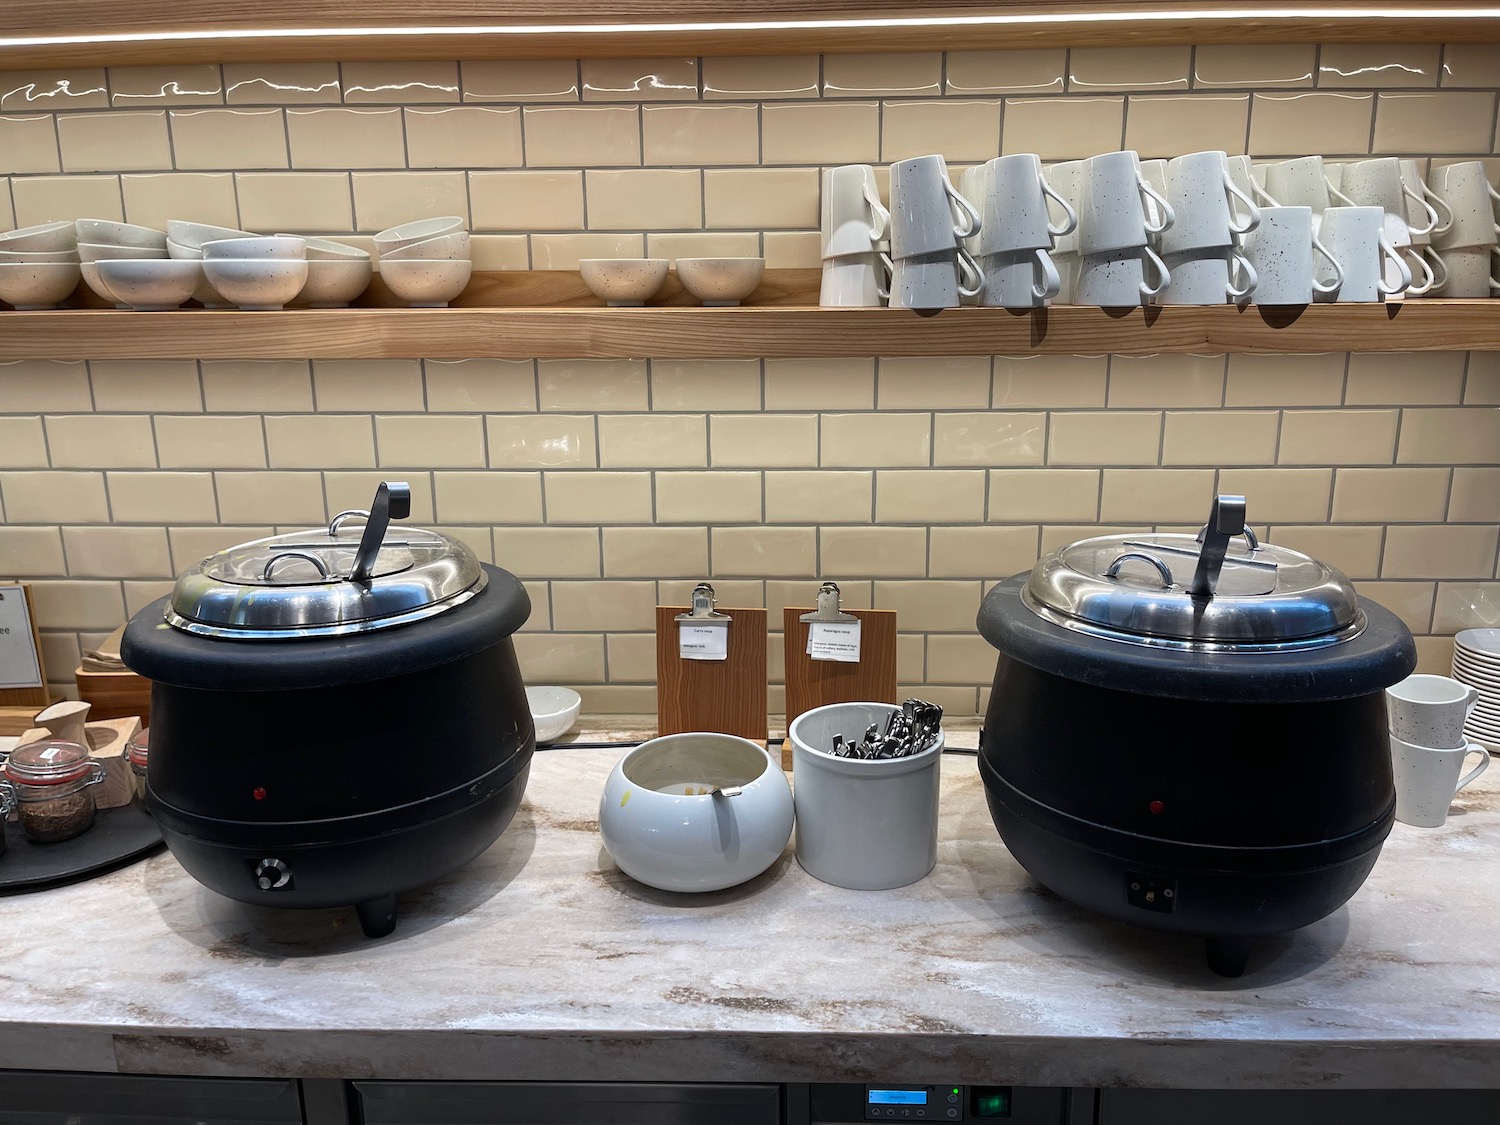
696 812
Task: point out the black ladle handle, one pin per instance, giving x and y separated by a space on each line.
1225 521
392 502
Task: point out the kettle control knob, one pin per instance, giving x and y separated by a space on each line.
272 874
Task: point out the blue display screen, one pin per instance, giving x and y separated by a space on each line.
897 1097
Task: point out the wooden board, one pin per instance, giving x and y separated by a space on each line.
115 695
38 33
813 683
771 331
728 696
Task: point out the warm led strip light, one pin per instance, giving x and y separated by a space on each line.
1287 13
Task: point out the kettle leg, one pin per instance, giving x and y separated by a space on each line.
1227 955
377 918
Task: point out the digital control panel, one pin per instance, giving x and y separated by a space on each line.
893 1102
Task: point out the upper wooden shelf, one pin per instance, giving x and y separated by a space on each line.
35 33
776 331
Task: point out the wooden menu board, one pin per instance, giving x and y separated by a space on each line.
727 696
814 683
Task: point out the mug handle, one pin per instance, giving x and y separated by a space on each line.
1394 257
1070 224
1162 272
890 268
882 221
1438 267
1338 270
1241 265
1168 216
967 265
972 227
1418 263
1484 764
1253 212
1432 215
1494 283
1340 196
1265 197
1051 284
1444 225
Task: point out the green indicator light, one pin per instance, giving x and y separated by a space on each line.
955 1089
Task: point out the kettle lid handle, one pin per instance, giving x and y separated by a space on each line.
1226 519
392 501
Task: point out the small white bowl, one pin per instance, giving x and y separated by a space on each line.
263 249
98 252
49 237
332 284
111 233
623 281
150 284
407 233
323 249
91 278
256 284
664 825
720 281
425 284
452 247
37 285
206 295
554 710
196 234
38 255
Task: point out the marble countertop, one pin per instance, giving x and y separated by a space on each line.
541 960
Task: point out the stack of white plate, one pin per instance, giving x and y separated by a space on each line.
1476 662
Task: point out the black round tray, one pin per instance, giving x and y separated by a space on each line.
118 837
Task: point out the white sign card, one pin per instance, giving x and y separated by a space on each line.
19 666
834 640
703 642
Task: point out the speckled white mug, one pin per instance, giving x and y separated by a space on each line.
1206 201
1112 209
1015 207
1430 710
1427 779
928 214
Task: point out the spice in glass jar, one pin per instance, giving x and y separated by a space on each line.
54 785
135 754
7 806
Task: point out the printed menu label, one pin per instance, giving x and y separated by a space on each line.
19 667
834 640
703 642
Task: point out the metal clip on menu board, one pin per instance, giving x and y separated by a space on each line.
829 602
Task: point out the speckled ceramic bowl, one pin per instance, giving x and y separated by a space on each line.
665 826
150 284
333 284
425 284
256 285
623 281
37 285
720 281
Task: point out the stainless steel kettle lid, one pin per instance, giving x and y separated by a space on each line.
329 581
1208 592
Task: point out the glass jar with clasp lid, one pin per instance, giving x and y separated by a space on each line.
136 751
54 783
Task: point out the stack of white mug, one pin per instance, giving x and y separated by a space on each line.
1428 746
1117 266
1016 236
1465 250
1375 192
1202 248
931 268
855 226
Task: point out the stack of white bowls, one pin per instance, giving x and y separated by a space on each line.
185 243
259 274
1202 247
1476 662
1468 247
38 266
336 273
425 263
129 266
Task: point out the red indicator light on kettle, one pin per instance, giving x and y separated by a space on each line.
1157 807
258 793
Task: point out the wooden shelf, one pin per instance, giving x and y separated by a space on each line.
748 331
37 33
